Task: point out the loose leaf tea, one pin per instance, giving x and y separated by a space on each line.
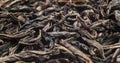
59 31
84 1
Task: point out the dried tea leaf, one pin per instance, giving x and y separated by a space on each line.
115 3
2 2
118 59
83 1
117 15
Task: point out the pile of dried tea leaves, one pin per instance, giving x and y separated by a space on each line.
59 31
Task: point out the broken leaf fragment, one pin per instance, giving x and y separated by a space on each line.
117 15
